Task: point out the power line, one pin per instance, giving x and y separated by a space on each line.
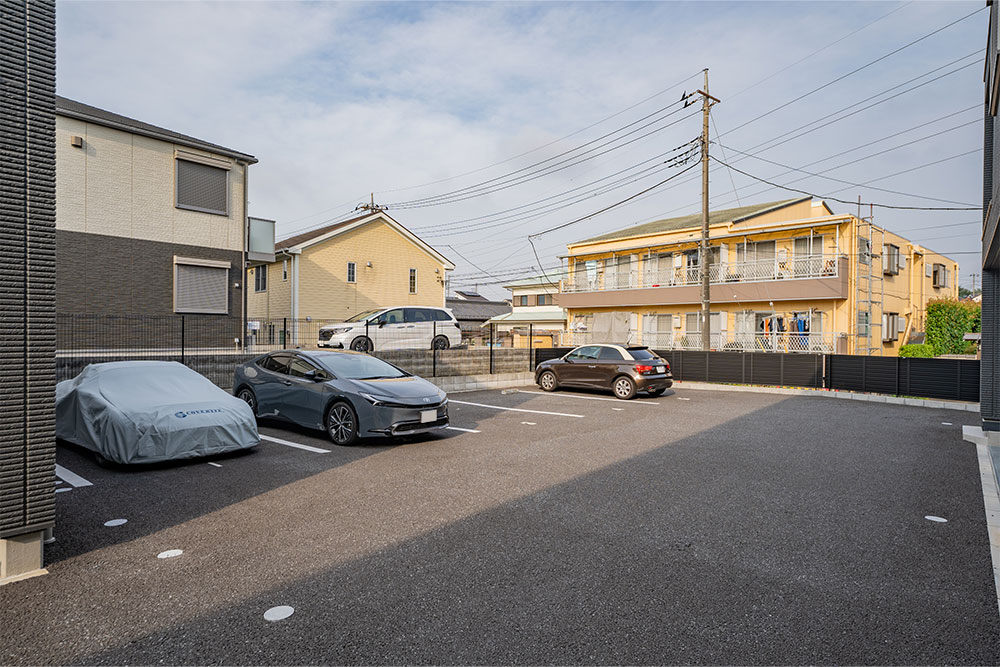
616 204
855 71
845 201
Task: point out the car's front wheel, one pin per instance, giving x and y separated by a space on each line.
362 344
246 395
341 424
624 387
547 381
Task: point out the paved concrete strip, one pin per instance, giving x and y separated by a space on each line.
463 430
500 407
70 477
588 398
991 502
287 443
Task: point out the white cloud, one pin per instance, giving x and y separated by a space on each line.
337 100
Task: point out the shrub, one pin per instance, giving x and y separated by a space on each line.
922 350
948 321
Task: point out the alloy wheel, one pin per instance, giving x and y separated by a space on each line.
624 388
247 397
548 381
340 424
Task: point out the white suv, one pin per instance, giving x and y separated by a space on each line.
398 328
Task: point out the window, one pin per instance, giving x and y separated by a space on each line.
260 278
939 274
890 260
352 273
890 327
413 281
584 353
864 321
610 354
275 363
201 187
864 251
284 269
299 367
201 286
394 316
522 300
544 299
418 315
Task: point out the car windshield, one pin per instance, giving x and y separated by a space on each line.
641 353
358 366
363 316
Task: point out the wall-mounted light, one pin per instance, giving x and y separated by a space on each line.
369 265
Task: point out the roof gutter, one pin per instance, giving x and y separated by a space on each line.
218 150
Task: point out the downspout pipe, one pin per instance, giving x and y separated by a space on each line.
246 248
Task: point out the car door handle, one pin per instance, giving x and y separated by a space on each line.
594 366
287 383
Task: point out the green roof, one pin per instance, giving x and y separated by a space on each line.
551 279
694 220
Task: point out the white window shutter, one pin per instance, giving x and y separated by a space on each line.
902 323
678 261
902 261
723 253
927 270
723 321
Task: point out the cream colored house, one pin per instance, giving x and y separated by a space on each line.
329 274
788 276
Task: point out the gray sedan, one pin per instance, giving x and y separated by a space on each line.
347 394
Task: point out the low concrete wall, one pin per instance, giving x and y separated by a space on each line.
460 383
219 367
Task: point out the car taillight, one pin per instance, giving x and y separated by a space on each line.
642 369
667 365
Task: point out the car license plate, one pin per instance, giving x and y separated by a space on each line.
428 416
661 369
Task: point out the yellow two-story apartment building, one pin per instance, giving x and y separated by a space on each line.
786 276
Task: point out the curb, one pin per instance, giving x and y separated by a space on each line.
961 406
457 384
991 494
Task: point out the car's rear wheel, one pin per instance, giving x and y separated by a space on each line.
657 392
246 395
547 381
440 343
362 344
341 424
624 387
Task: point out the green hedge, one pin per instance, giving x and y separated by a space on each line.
948 321
919 350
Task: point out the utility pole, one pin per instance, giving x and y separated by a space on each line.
974 276
706 300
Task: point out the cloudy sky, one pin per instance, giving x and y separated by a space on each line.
479 124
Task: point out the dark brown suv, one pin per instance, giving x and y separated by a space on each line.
624 369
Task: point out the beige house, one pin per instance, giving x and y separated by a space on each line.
329 274
788 276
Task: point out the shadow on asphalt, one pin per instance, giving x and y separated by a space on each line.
759 540
160 495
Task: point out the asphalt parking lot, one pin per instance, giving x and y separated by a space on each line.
698 527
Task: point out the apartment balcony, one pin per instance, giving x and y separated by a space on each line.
778 341
793 279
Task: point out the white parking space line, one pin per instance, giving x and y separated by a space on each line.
70 477
296 445
529 423
463 430
500 407
214 465
587 398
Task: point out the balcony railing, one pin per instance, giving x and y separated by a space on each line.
726 341
806 266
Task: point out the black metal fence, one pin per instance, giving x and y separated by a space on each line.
214 345
949 379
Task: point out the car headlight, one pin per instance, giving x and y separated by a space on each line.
339 330
378 400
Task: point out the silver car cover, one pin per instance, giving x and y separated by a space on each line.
150 411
